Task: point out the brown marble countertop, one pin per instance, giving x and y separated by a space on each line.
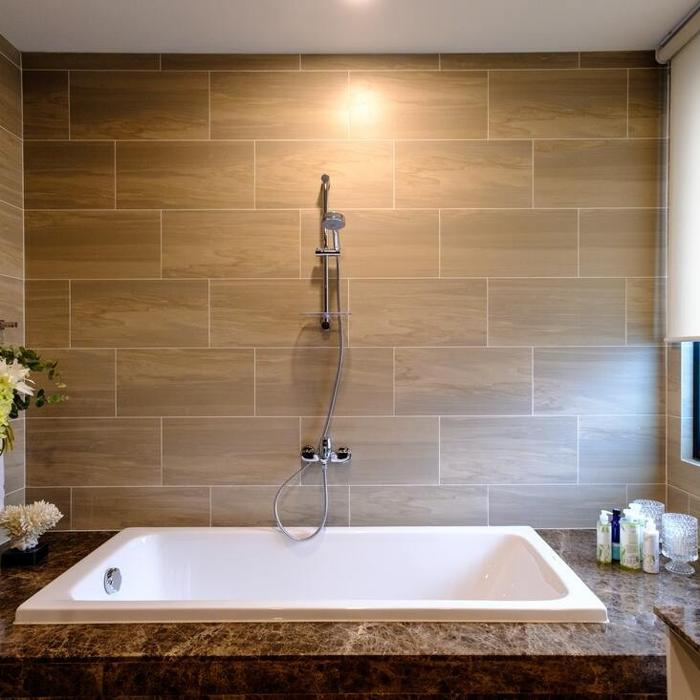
683 620
375 657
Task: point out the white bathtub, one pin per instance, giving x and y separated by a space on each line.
499 574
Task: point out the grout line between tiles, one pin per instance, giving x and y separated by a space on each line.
627 104
69 106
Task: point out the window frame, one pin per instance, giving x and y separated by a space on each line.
696 401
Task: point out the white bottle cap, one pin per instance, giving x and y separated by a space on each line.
605 516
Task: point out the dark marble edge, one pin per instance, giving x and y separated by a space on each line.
634 632
684 620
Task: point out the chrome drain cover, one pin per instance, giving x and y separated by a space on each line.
112 580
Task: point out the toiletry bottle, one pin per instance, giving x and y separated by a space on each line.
615 534
650 548
604 538
630 540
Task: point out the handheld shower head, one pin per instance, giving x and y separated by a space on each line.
333 221
326 180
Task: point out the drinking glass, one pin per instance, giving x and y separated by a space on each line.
654 510
680 542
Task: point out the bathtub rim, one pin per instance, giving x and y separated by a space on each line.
579 605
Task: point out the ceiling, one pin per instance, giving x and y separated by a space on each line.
351 26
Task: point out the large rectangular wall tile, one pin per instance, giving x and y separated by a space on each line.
269 313
505 450
139 313
89 379
519 61
185 175
616 449
48 313
231 244
90 61
45 104
646 311
230 61
556 312
388 243
557 104
516 243
14 458
415 105
599 381
12 309
418 505
208 451
298 382
11 241
654 492
598 173
647 103
60 497
464 174
250 506
10 97
551 506
623 243
69 175
370 61
287 173
11 168
9 51
385 450
677 501
93 451
683 472
417 312
680 379
92 245
169 382
279 105
463 381
117 508
618 59
133 105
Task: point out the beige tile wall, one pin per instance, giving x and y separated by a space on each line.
12 240
503 264
682 471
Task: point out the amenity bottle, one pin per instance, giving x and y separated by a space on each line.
615 534
631 539
604 538
650 548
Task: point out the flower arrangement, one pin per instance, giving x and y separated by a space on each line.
17 389
27 523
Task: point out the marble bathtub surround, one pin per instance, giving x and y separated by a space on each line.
624 657
12 472
503 263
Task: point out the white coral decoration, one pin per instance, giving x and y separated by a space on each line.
27 523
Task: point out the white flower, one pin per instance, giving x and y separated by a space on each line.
17 375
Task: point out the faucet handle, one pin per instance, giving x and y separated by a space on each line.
342 455
308 454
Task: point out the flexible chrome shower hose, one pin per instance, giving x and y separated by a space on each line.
324 433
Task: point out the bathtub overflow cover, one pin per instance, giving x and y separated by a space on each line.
112 580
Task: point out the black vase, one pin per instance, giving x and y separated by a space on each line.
29 557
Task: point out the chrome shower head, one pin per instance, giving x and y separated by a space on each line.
333 221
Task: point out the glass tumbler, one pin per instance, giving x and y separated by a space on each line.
654 510
680 542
